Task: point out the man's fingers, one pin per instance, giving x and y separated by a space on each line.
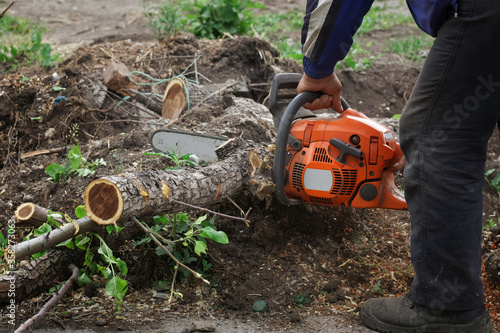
336 104
324 102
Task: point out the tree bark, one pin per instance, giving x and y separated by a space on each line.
112 198
56 236
35 277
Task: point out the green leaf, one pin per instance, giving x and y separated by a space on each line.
57 88
74 159
397 116
54 171
80 244
113 227
104 270
122 266
116 287
200 247
83 279
200 219
80 212
106 252
142 241
68 243
218 236
489 172
42 230
89 257
160 251
84 172
496 181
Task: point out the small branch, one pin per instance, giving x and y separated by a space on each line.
42 152
33 214
58 295
151 234
247 222
6 9
53 238
236 205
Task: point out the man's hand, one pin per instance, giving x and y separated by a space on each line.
330 86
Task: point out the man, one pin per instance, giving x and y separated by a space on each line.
444 132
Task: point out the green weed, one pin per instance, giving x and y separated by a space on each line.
185 238
215 18
21 44
178 159
76 163
411 47
495 182
165 19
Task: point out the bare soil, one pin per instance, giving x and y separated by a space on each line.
338 257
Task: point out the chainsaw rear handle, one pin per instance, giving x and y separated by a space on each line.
282 142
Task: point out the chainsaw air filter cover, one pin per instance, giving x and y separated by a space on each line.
344 161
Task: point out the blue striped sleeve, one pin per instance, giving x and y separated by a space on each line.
329 26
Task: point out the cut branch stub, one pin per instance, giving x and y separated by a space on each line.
30 213
103 202
174 99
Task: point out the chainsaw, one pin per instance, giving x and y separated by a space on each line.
335 161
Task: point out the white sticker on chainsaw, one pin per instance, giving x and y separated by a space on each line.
318 180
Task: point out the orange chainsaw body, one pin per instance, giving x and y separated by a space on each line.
345 161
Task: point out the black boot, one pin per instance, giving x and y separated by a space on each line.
400 314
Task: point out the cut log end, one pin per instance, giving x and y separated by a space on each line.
103 202
30 213
25 211
174 99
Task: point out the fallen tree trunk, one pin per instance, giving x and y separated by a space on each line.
112 198
243 167
36 276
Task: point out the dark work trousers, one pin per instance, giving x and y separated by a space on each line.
445 128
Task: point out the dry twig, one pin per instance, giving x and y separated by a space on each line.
6 9
58 295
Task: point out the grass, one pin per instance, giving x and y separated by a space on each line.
411 47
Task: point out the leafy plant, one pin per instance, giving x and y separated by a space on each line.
17 49
214 18
491 224
178 159
301 300
495 182
76 163
185 238
165 19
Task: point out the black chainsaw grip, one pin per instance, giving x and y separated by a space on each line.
282 142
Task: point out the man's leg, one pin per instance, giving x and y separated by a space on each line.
445 129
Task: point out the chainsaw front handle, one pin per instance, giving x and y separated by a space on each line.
282 141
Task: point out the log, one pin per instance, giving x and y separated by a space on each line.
116 197
36 277
174 99
116 78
